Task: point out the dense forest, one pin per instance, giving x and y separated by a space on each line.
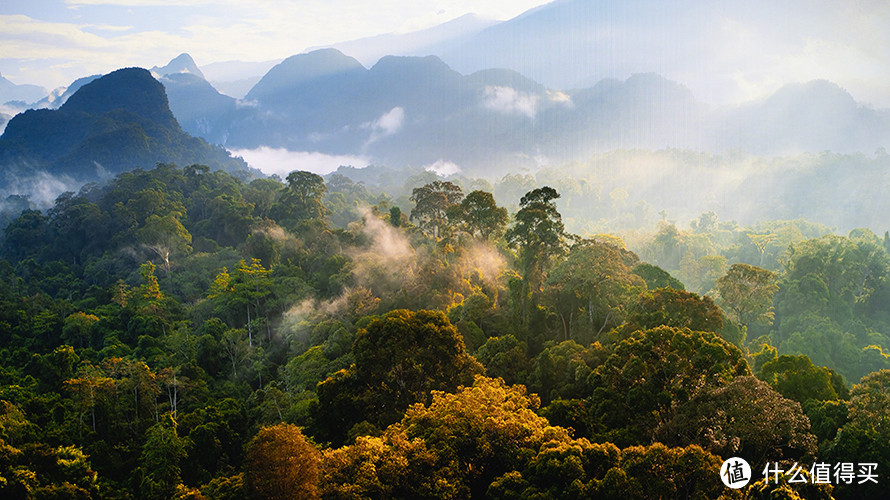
185 333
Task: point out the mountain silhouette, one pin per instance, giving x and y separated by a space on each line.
112 124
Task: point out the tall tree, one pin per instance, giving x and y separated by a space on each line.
539 235
431 204
591 287
479 215
399 358
301 199
165 236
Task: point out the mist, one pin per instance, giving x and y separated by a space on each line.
280 161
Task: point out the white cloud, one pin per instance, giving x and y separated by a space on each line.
508 100
559 97
282 162
388 124
443 168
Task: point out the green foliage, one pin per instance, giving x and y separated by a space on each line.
399 358
431 205
652 373
478 214
744 418
797 378
747 293
675 308
590 288
200 310
656 277
160 463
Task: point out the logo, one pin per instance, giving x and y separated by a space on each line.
735 473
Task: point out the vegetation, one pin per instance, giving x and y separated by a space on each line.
183 333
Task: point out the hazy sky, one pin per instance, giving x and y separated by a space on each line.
52 42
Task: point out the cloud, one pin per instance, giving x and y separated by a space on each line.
509 101
443 168
559 97
282 162
388 124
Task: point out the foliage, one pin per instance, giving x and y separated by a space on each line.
652 373
399 358
157 329
281 464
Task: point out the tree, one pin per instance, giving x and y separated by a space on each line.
652 373
676 308
454 447
745 418
656 277
159 465
90 386
300 199
746 291
432 202
247 288
399 358
591 286
165 236
539 235
77 327
797 378
478 214
281 464
866 434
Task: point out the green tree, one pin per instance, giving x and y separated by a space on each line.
431 204
165 237
399 358
77 328
656 277
301 199
539 235
159 464
652 373
745 418
479 215
676 308
746 291
797 378
591 287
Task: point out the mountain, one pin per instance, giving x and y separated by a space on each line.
419 111
181 64
59 96
199 108
726 52
433 40
236 78
116 123
25 93
320 68
814 116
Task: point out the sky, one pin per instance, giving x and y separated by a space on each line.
52 42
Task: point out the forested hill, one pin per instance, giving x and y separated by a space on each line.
180 333
111 125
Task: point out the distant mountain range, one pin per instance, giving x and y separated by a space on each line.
112 124
24 93
418 111
556 84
